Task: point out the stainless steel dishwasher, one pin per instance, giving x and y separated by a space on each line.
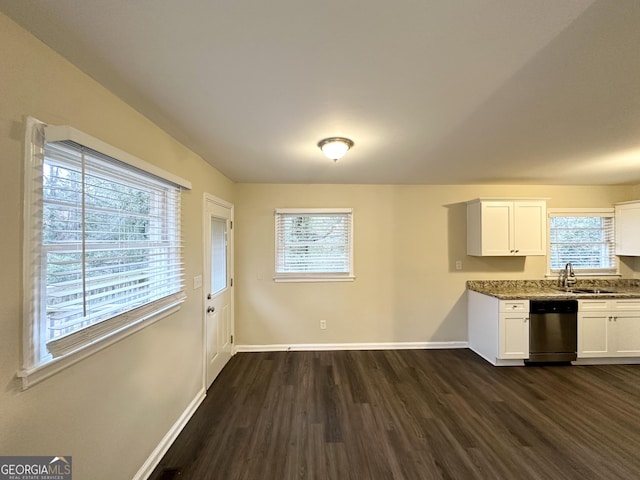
553 330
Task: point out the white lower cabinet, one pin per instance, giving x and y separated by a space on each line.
592 334
498 329
609 328
514 331
627 334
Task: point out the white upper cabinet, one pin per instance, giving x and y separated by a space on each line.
506 227
628 229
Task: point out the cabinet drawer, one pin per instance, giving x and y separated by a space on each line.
594 305
626 304
514 306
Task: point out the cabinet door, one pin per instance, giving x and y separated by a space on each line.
594 329
514 335
497 228
626 341
530 228
628 229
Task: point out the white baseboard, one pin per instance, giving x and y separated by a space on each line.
154 459
313 347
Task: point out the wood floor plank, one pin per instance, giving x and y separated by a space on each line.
435 414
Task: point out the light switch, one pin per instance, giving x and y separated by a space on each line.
197 282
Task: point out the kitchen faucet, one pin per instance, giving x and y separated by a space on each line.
568 277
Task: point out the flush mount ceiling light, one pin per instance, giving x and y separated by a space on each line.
335 147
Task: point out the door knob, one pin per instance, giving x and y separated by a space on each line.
210 309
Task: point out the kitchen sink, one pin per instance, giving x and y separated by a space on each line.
592 290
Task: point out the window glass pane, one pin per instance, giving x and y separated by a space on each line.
313 243
110 239
585 241
218 255
102 245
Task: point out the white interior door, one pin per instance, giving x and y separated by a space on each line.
218 286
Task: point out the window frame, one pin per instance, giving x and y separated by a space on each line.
315 276
38 363
581 212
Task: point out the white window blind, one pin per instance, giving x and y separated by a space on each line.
105 248
587 240
314 243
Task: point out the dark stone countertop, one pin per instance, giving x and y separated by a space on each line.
551 290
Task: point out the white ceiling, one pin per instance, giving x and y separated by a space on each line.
430 91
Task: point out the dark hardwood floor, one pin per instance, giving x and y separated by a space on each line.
410 414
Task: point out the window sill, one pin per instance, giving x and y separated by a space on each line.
39 373
313 278
585 275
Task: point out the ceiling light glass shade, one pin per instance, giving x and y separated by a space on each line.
335 147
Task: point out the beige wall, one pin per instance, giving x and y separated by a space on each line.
111 410
407 239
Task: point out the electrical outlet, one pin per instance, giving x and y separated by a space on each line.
323 324
458 264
